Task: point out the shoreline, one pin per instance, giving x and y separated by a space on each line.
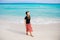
34 20
12 29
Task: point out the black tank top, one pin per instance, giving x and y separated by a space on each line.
27 20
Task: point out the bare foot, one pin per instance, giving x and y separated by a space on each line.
31 35
26 33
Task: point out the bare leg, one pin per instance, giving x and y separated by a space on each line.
26 33
31 34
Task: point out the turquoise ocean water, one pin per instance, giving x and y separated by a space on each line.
36 9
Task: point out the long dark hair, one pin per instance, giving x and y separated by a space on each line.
27 14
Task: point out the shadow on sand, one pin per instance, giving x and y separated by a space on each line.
16 31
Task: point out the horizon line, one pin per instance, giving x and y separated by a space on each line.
29 3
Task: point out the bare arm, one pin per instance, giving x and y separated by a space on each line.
24 21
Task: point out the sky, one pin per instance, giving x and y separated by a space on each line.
29 1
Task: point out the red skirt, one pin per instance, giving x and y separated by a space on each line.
28 28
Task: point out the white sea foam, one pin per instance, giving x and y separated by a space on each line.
34 20
45 20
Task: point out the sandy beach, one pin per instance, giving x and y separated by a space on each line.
45 19
13 31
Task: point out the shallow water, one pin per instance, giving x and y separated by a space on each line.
42 10
40 13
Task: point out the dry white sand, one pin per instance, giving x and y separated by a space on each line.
11 31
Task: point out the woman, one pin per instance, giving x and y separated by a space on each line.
28 24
